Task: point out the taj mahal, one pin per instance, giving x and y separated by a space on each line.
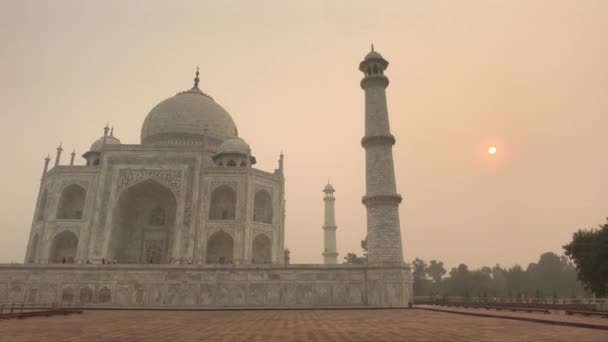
188 192
184 219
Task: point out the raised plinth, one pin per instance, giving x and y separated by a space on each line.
207 285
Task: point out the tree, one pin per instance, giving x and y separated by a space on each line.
352 258
436 271
364 247
589 251
422 284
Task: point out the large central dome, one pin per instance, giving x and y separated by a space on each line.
185 118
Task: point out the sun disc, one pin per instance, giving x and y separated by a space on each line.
492 150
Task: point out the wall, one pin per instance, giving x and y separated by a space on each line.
206 286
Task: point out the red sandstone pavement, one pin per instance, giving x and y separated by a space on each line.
286 325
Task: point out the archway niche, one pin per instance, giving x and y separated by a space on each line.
104 296
144 221
33 250
86 295
261 250
220 249
71 203
262 207
63 248
67 295
42 206
223 203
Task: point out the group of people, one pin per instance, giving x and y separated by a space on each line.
112 261
181 261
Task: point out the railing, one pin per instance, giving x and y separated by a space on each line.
571 304
22 310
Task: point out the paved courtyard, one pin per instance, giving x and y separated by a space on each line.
286 325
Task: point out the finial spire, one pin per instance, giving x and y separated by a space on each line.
196 79
112 131
372 46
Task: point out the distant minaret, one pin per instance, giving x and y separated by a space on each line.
330 255
382 200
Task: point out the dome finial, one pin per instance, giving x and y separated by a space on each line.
372 46
196 79
112 131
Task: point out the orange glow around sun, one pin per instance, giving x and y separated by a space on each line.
492 150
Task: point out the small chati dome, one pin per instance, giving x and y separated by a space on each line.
98 144
234 152
373 55
234 146
329 188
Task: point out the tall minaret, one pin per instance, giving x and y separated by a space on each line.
382 200
330 255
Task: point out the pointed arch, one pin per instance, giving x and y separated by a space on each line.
42 206
220 248
262 207
71 203
67 295
144 224
223 203
63 248
261 250
105 295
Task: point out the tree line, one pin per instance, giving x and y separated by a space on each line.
582 271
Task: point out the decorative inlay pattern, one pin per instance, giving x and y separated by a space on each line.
170 178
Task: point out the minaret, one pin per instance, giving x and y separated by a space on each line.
381 199
58 156
73 155
330 255
46 164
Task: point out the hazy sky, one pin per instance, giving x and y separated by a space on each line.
530 77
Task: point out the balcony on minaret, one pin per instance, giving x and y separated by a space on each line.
373 66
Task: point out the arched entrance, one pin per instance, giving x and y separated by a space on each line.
223 203
261 251
262 207
63 248
71 204
144 221
220 249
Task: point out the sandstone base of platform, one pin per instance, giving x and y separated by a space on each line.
207 286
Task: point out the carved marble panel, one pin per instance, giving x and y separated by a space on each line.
273 295
223 295
355 294
122 295
207 294
170 178
189 294
47 293
155 294
339 295
323 294
237 292
304 294
290 294
256 294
